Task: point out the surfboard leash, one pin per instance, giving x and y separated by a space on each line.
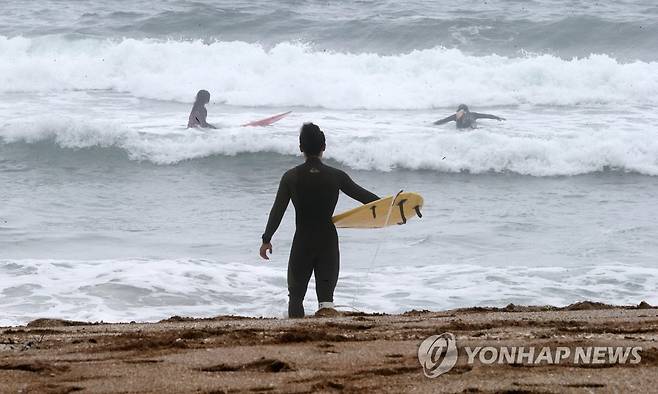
374 257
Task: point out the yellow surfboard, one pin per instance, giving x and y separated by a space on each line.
388 211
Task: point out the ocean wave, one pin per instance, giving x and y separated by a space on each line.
497 26
484 151
151 289
294 74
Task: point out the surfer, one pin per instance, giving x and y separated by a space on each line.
313 188
465 118
199 113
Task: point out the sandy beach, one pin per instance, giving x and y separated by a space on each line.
354 352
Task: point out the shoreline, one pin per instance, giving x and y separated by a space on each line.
352 352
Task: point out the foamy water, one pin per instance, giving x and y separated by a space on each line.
290 74
150 290
544 142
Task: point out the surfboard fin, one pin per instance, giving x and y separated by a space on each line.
417 209
401 205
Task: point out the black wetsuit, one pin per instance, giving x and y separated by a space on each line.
313 188
467 120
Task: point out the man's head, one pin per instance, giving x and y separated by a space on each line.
461 110
203 96
311 140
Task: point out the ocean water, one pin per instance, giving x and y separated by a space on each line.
111 210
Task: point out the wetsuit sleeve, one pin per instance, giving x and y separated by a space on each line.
484 116
446 120
192 120
278 209
204 116
349 187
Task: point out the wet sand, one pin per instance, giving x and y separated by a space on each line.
349 353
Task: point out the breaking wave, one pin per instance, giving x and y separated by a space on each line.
295 74
488 150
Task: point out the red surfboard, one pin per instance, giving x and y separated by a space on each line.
267 121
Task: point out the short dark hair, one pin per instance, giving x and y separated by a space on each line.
311 139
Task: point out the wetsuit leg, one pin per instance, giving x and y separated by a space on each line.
326 267
300 268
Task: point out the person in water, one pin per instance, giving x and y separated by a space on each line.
313 188
466 119
199 113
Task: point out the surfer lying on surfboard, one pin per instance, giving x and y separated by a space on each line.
313 188
199 113
465 119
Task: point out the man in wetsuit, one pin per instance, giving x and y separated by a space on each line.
313 188
465 118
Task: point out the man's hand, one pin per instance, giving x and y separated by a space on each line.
264 248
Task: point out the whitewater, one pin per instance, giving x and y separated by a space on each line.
295 74
110 209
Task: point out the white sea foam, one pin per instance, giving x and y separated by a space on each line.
148 290
288 74
563 149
